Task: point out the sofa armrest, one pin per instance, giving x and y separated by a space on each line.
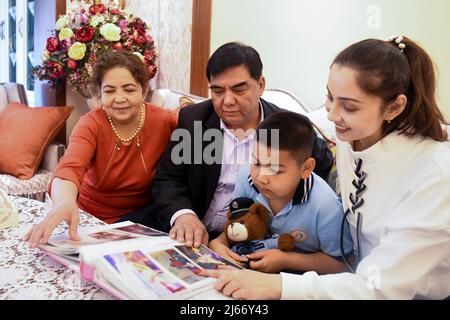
170 99
52 155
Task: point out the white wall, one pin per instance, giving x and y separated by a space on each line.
298 39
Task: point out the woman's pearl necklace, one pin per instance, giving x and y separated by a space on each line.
136 132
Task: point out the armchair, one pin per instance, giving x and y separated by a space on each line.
36 187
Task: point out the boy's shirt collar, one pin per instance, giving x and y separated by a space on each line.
302 192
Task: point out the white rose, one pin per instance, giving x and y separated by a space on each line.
65 34
62 22
95 20
45 55
110 31
77 51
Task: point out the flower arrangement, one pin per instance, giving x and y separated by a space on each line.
81 36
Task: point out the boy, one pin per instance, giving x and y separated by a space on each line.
301 203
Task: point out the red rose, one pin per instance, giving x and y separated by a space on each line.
71 64
117 46
97 8
149 55
115 11
55 69
152 70
139 37
52 44
84 34
139 25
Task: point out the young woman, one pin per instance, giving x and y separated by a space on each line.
113 151
394 173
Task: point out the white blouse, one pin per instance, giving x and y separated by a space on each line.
404 238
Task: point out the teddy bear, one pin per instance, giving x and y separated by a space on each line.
247 229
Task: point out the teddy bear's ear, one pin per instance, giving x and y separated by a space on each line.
261 211
228 214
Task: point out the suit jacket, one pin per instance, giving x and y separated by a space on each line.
192 186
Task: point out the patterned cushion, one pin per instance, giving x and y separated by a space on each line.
34 188
26 132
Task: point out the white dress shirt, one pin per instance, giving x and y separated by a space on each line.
234 154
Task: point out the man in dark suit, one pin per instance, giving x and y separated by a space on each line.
192 194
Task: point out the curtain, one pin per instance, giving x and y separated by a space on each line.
170 23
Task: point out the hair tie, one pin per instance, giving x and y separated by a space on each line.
397 41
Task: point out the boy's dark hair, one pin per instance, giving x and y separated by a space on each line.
124 59
295 134
233 54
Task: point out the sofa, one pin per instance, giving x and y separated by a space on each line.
170 99
36 186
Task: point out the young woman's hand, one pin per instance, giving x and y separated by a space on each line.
270 261
246 284
65 211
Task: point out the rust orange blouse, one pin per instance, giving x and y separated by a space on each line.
114 182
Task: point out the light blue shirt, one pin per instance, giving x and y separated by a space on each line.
314 216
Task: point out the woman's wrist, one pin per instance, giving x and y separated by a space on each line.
276 287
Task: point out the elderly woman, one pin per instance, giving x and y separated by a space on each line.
111 159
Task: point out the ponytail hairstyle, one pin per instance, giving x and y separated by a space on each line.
387 70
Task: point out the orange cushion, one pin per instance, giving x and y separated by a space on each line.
25 134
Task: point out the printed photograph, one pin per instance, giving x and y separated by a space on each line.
110 235
142 230
204 257
178 264
62 241
135 267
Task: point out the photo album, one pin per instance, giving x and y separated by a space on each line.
132 261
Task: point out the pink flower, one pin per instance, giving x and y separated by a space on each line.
115 11
84 18
123 24
71 64
52 44
65 44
